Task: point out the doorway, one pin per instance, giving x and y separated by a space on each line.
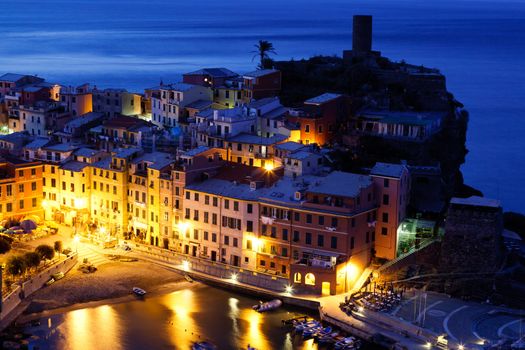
325 288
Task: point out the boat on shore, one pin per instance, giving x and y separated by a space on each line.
203 345
188 278
267 306
139 291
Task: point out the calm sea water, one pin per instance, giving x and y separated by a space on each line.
479 45
172 321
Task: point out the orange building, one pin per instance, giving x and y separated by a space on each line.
20 189
318 118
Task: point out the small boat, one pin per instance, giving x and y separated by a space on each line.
301 326
267 306
50 282
139 291
345 343
203 345
188 278
58 276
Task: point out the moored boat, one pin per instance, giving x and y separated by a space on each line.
203 345
267 306
139 291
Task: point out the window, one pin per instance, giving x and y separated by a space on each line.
352 242
214 219
21 204
384 231
385 217
308 218
309 279
386 183
334 222
296 236
195 234
9 190
236 206
285 234
320 219
297 277
227 204
333 242
33 203
320 240
214 237
33 171
20 173
263 263
249 226
249 208
215 201
353 222
188 194
273 232
308 238
9 207
235 242
249 244
296 216
226 240
307 128
205 235
386 199
367 239
284 252
206 199
206 217
21 188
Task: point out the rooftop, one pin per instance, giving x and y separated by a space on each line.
257 140
199 104
301 155
214 72
61 147
326 97
259 73
404 117
195 151
477 202
37 143
12 77
84 119
125 152
155 160
126 122
290 146
224 188
86 152
74 166
338 183
388 170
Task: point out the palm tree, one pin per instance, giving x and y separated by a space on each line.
264 48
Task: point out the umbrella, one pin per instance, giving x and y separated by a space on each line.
28 225
15 228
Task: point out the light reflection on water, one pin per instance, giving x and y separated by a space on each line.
170 321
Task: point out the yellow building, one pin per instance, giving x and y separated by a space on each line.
149 198
109 192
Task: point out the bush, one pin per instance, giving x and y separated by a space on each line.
5 245
32 259
45 251
515 222
16 265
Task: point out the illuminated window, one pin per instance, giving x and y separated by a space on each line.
309 279
297 277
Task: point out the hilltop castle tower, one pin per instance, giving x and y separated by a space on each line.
361 39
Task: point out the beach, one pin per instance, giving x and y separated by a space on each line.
111 283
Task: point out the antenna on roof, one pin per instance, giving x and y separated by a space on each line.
161 82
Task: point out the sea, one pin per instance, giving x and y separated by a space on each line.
478 44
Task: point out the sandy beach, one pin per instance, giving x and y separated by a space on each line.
112 283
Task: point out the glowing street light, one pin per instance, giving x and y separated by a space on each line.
288 289
234 277
76 239
268 166
461 347
186 265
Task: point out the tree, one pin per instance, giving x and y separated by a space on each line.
58 247
32 259
45 251
264 48
16 265
5 245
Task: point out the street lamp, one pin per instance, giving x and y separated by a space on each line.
288 289
76 239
